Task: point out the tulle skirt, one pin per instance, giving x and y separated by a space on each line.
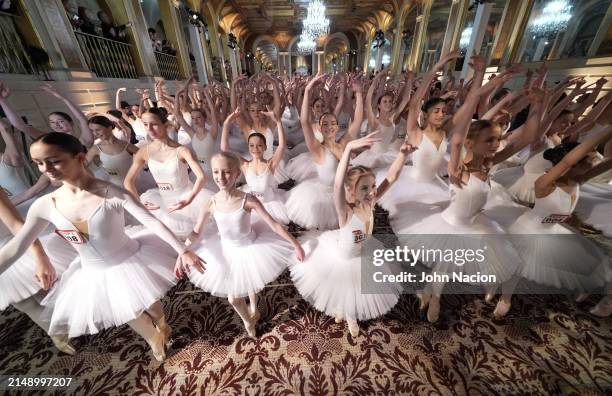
574 263
330 280
310 204
594 206
409 189
520 184
239 268
92 297
273 201
301 167
18 282
434 230
180 222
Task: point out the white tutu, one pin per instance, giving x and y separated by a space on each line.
180 222
310 204
459 226
18 282
595 206
411 188
93 296
301 167
273 201
330 279
375 158
239 268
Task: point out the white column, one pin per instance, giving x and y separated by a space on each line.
198 53
379 55
289 66
483 12
537 56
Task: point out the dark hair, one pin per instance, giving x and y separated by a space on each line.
151 30
115 113
316 100
259 135
61 114
557 153
564 112
387 93
431 103
499 95
160 112
66 142
124 104
101 120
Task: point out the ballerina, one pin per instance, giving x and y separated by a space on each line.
176 200
575 263
259 172
310 203
13 178
244 256
58 121
336 289
381 154
469 194
118 278
19 287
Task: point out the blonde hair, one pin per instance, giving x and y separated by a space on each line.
231 157
354 174
478 126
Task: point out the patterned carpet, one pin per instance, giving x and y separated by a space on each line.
546 345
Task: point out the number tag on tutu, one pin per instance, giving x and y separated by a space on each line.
7 192
71 236
165 186
358 236
257 195
555 218
112 172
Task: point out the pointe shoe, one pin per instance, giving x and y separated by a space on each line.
423 299
338 318
501 309
158 346
603 309
491 292
353 328
62 343
433 312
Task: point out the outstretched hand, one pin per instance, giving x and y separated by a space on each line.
364 141
186 261
45 273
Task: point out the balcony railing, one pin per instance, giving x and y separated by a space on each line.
107 58
168 66
13 56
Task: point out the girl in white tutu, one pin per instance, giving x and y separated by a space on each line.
176 201
330 277
570 263
310 203
13 174
381 154
259 172
24 282
244 256
202 130
419 182
469 194
118 278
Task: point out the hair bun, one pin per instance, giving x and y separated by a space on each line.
556 154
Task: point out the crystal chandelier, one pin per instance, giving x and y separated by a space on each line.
555 16
315 24
306 44
464 41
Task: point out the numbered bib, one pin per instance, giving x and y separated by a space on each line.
257 195
71 236
165 186
7 192
555 218
358 236
112 172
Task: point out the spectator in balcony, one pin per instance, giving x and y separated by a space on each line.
111 32
83 22
8 6
155 42
167 48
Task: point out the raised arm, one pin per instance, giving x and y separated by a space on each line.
546 183
12 154
309 137
585 104
406 94
179 114
282 144
395 169
214 114
369 105
14 118
225 141
355 126
86 137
